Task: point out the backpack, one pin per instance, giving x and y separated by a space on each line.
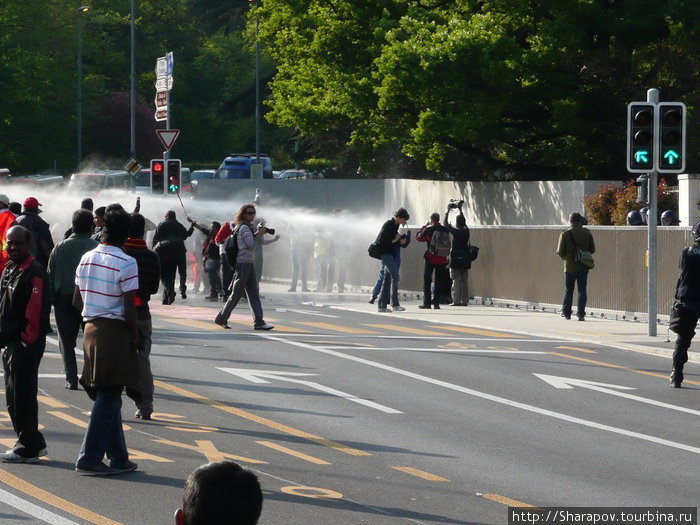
440 243
231 247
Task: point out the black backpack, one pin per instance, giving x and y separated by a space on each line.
231 246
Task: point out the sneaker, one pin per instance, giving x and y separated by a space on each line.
43 452
436 307
146 416
372 299
263 326
222 323
399 308
676 378
384 310
183 295
96 470
70 385
424 306
12 457
211 298
121 468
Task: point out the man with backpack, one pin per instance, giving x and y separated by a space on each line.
439 245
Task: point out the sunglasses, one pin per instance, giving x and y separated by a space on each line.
250 213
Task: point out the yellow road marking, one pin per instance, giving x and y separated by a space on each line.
477 331
294 453
619 367
51 402
209 450
55 501
404 329
339 328
209 325
420 474
140 454
261 420
312 492
577 349
508 501
70 419
338 342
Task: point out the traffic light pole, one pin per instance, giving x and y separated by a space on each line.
653 97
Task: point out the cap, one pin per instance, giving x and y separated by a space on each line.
31 202
4 199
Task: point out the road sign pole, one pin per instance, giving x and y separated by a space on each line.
653 97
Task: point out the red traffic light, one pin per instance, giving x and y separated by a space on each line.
157 167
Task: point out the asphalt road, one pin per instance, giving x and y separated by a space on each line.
350 417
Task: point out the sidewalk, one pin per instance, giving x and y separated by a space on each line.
624 334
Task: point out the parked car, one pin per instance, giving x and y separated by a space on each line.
240 165
98 180
198 175
299 174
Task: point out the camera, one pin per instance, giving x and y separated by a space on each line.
455 203
262 226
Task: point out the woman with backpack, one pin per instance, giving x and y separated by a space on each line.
244 279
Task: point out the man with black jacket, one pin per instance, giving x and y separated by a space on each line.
433 263
24 322
169 244
42 242
149 275
386 240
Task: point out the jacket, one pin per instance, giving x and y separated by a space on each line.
566 250
24 302
42 242
63 261
149 274
425 234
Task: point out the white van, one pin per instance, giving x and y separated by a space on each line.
98 180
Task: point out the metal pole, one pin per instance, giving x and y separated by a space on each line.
257 86
81 10
653 97
133 79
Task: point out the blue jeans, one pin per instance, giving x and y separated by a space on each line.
389 266
104 433
580 279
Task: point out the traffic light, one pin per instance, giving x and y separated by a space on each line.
640 137
174 166
671 134
157 177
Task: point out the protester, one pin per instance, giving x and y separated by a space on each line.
335 253
404 241
7 217
221 493
435 261
63 261
301 246
106 290
460 258
85 204
387 240
211 259
576 237
149 276
24 322
99 223
169 243
42 243
686 311
244 278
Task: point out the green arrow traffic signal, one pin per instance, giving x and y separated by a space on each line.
671 156
641 156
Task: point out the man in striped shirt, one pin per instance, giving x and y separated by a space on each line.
106 289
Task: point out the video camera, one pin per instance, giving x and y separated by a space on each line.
455 203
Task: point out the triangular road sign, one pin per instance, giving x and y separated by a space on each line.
167 137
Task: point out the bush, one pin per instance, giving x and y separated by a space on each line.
611 204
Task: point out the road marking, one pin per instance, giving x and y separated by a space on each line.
51 402
403 329
33 510
261 420
295 453
312 492
443 349
211 326
339 328
577 349
262 376
53 500
306 312
508 501
420 473
605 388
620 367
70 419
478 331
490 397
209 451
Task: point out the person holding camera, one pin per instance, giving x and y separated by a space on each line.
460 255
244 279
435 261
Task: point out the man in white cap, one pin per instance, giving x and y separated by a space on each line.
42 242
6 219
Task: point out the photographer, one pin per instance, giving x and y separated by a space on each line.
244 278
460 256
433 233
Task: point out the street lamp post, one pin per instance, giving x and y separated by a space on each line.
82 9
257 85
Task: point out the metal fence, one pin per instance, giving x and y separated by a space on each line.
519 263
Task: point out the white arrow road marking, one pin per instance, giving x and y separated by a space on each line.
261 376
307 312
568 383
489 397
